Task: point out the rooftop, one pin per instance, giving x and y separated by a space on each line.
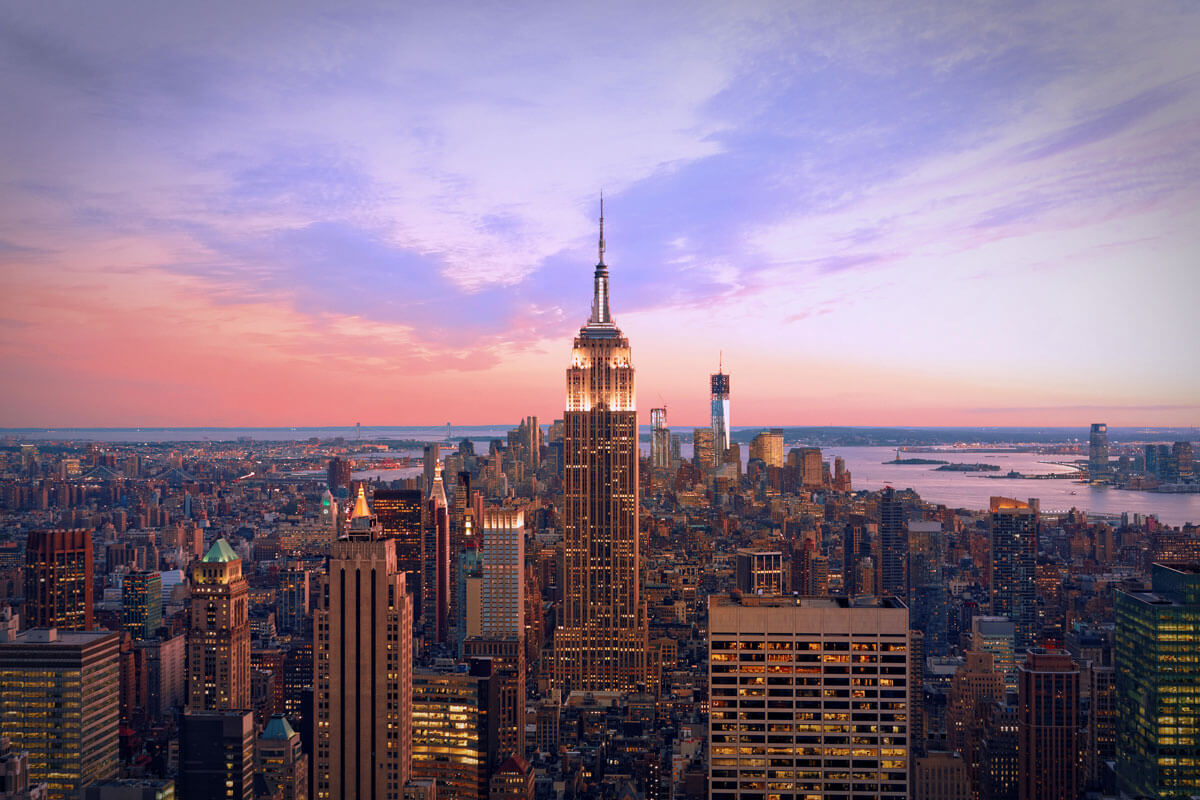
220 552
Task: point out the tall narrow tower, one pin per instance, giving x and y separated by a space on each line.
219 644
720 415
602 643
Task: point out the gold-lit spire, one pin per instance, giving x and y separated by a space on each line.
360 505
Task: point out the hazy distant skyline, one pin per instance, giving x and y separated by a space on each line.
283 214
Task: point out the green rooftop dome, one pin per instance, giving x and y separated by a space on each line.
220 552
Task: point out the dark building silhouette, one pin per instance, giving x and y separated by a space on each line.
216 755
1048 726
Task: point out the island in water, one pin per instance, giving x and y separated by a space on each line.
914 461
968 468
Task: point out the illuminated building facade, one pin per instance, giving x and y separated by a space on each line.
1156 659
601 645
362 665
454 720
437 583
720 415
1014 566
809 698
768 447
759 571
59 703
219 643
58 579
141 604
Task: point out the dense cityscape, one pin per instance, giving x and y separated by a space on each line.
337 462
554 615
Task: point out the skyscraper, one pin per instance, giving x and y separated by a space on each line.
805 710
455 716
141 603
602 642
219 643
362 682
1048 726
337 477
59 702
399 514
281 761
1014 566
720 415
702 448
660 439
927 596
893 545
1158 685
768 447
216 755
435 592
1098 451
58 579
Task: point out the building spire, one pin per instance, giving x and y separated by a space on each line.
600 314
601 261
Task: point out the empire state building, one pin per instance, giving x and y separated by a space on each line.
602 643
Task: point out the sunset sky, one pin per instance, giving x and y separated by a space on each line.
321 214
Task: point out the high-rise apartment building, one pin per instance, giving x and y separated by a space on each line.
1014 566
1048 726
362 665
1098 451
292 599
893 545
58 579
219 642
719 382
809 698
997 635
337 477
141 603
975 687
660 439
602 642
455 717
59 703
1155 648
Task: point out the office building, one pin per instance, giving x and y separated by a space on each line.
430 460
58 580
59 704
1155 649
219 642
130 789
1014 566
1098 451
216 755
1048 725
337 477
768 448
601 645
141 604
809 697
362 668
437 583
997 635
1181 454
893 546
660 439
719 383
759 571
280 760
292 600
928 599
940 775
399 514
455 714
703 452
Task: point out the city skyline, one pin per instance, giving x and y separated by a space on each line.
939 216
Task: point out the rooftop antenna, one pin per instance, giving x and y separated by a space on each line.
601 226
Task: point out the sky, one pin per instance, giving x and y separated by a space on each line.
327 213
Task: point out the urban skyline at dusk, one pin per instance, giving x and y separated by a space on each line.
229 215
